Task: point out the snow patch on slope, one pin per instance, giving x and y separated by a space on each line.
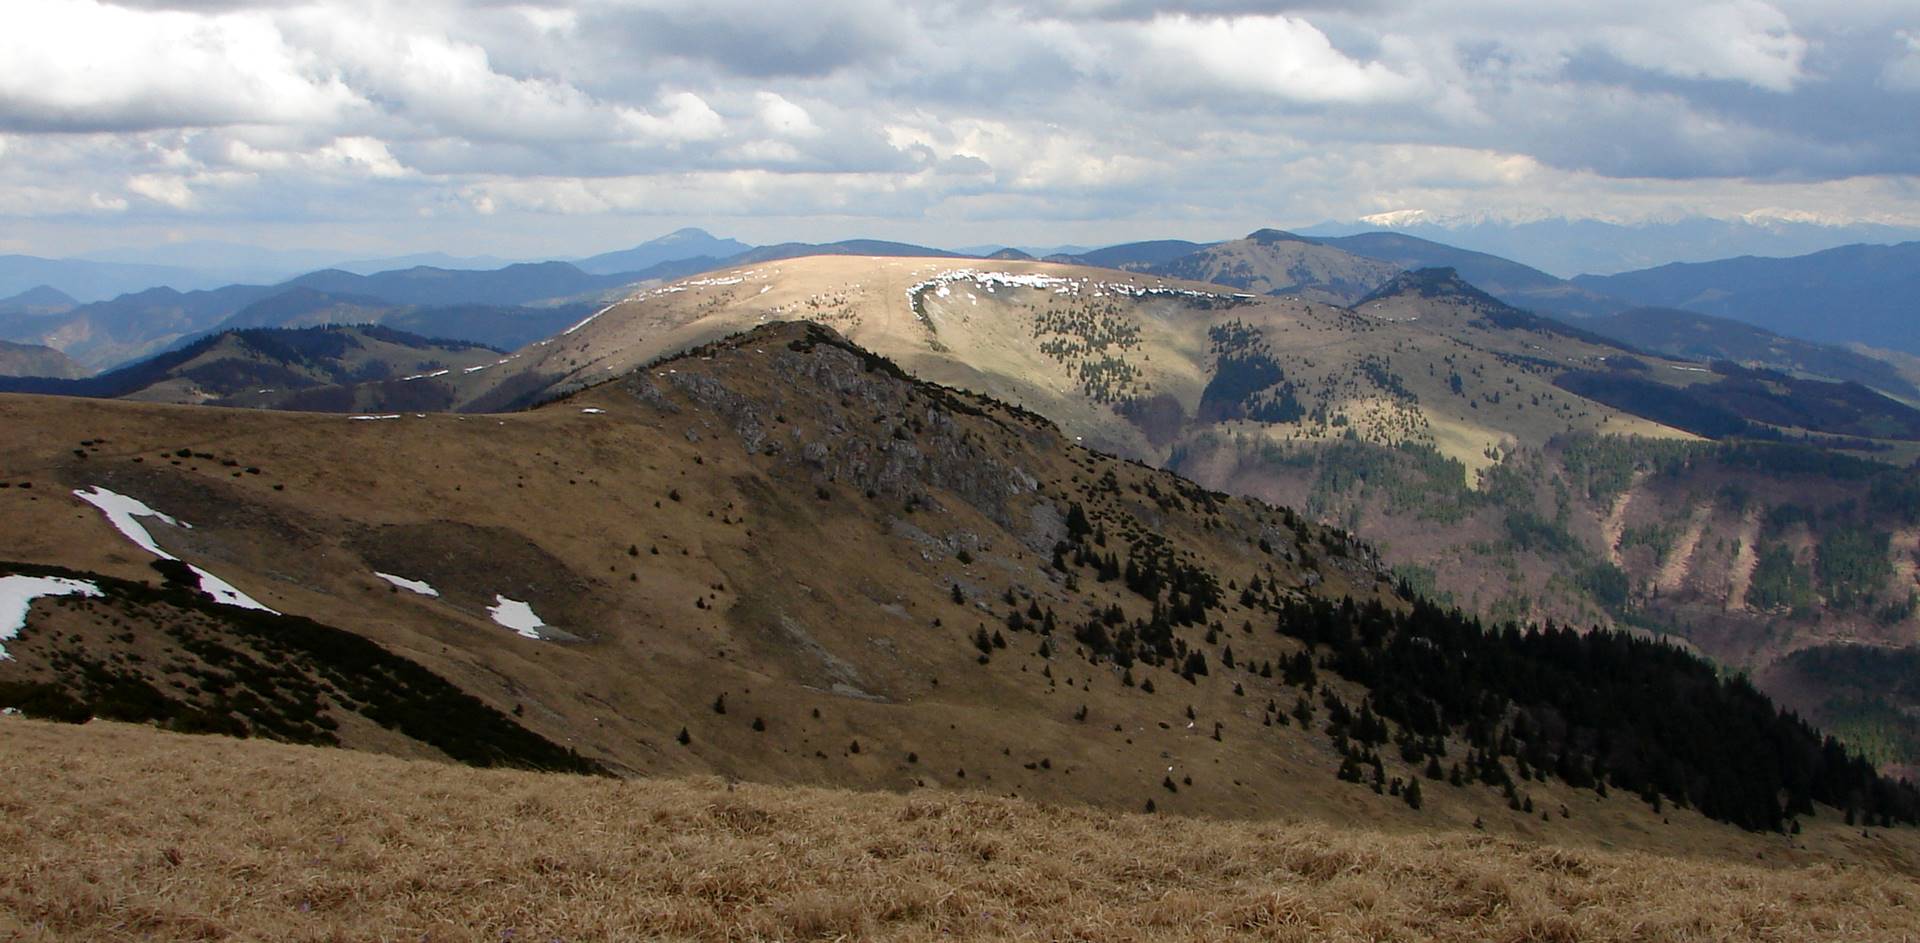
412 586
1060 285
516 615
17 594
121 512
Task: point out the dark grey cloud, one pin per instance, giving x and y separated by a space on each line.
757 39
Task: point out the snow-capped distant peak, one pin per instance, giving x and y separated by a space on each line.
1395 218
1773 215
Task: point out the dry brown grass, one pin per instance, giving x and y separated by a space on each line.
111 832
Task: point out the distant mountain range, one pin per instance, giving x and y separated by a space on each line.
504 307
1853 294
190 266
1783 314
1571 247
1789 314
94 281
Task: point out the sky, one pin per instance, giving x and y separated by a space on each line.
544 129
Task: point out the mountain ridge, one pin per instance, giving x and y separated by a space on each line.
767 441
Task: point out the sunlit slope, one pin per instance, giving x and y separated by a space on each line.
1128 362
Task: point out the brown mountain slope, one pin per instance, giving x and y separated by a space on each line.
116 832
780 558
1429 419
783 527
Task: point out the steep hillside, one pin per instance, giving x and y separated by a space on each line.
1852 294
115 831
1752 552
1271 262
781 558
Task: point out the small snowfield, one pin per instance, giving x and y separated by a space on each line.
17 594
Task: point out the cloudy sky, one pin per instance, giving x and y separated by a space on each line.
546 129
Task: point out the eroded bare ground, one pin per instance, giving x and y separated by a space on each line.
1615 525
1679 562
1741 576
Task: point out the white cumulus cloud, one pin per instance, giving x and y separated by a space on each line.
79 65
1743 40
1279 56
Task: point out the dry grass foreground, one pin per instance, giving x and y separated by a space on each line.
112 832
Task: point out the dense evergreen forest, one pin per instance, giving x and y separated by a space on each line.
1498 705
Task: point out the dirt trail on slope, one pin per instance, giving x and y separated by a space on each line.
1615 525
1905 550
1680 558
1741 578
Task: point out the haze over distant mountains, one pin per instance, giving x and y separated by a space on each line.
1805 311
1569 247
1851 294
1562 247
